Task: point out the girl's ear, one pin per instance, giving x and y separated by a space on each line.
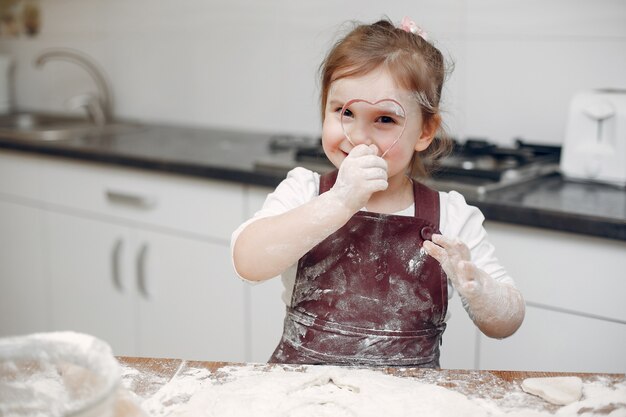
429 130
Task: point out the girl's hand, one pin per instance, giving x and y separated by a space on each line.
455 259
360 175
497 308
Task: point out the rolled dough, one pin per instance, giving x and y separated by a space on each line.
560 390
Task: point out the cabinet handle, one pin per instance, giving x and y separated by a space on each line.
141 270
131 199
115 264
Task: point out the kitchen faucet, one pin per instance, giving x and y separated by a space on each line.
100 106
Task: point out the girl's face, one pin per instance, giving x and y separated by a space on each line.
372 87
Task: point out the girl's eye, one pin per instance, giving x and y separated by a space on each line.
346 112
386 119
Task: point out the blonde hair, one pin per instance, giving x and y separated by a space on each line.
415 64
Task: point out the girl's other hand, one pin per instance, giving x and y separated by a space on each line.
455 259
497 308
360 175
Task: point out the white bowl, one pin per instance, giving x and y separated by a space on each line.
57 374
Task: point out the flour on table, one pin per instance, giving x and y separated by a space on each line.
306 391
183 386
327 391
598 400
557 390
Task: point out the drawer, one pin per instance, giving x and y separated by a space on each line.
550 341
206 207
19 175
563 270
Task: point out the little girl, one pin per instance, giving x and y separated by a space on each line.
366 252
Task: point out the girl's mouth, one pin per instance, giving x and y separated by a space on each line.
345 153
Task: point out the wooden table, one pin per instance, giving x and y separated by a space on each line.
145 376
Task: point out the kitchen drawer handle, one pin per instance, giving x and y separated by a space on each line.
115 264
131 199
141 271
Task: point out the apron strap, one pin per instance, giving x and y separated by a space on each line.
426 199
426 203
328 180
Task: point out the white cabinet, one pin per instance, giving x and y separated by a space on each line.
89 280
458 347
558 342
574 288
20 177
24 287
564 270
190 302
138 259
146 293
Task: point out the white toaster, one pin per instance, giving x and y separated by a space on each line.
595 139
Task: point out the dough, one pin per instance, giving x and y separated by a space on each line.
561 390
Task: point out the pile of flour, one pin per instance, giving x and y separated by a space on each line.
343 392
55 374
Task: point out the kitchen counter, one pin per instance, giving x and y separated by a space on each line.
157 386
549 202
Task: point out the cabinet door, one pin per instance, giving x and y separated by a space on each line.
24 290
559 342
190 304
458 348
91 286
267 313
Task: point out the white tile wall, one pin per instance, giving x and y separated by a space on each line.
539 19
253 65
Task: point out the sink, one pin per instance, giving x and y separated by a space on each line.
47 127
55 127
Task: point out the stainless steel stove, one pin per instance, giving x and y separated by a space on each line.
474 168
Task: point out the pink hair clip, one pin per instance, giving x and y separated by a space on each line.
408 25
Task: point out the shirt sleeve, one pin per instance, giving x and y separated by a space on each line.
300 186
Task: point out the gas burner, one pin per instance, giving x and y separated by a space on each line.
284 142
477 166
481 159
474 167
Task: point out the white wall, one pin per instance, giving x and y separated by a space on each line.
252 64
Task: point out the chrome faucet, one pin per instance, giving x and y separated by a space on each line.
99 107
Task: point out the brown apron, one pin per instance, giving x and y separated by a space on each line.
368 294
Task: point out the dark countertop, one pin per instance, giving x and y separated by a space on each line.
552 202
549 202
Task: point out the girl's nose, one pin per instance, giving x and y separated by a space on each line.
360 135
367 141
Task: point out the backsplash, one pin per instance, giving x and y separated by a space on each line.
253 65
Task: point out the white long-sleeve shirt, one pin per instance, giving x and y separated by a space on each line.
457 219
